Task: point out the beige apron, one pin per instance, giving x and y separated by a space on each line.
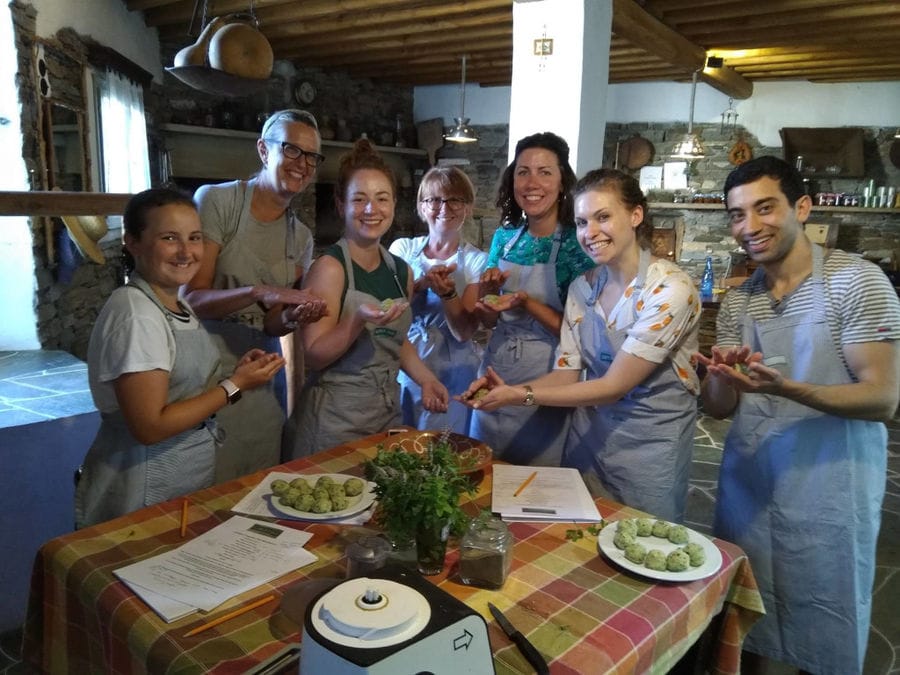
357 395
119 474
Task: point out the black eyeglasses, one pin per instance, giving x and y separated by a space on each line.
292 151
435 203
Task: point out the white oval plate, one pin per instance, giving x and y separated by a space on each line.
358 503
617 555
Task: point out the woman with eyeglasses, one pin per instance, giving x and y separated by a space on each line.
357 348
248 287
534 257
446 270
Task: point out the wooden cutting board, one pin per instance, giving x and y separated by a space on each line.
635 153
430 136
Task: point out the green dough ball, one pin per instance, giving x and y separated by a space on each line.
322 505
623 540
480 394
677 561
324 481
386 304
305 502
627 525
353 487
695 553
284 500
491 299
339 502
279 486
661 529
636 553
321 493
655 560
290 496
678 534
644 527
301 484
335 489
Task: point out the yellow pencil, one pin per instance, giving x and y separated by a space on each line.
184 516
525 483
230 615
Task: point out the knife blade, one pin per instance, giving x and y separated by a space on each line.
528 650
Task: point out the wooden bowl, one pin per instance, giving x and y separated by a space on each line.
473 455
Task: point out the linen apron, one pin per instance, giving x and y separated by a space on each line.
800 491
120 474
637 450
454 363
358 394
251 447
520 350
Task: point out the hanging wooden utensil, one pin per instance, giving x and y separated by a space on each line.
740 152
635 153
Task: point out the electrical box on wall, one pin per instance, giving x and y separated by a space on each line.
825 153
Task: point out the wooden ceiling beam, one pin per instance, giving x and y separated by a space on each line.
798 21
889 71
747 12
446 55
632 22
861 33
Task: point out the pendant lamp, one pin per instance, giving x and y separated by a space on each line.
462 132
690 146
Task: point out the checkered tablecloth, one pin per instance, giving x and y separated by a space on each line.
583 614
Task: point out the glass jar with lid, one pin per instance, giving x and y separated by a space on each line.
485 552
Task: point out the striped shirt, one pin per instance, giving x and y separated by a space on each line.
863 303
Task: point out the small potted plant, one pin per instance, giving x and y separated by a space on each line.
418 497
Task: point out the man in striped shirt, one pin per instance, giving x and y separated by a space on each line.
808 363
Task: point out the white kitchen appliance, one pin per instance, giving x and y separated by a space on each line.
393 622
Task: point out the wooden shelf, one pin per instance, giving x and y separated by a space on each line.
60 203
672 206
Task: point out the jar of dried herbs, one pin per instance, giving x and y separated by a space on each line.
485 552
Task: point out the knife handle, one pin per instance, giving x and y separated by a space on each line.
531 654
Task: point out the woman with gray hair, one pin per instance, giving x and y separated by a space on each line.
248 288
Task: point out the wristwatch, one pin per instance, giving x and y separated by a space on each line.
529 396
231 391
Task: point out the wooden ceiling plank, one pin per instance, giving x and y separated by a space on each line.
740 11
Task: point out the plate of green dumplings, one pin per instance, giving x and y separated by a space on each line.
659 549
321 496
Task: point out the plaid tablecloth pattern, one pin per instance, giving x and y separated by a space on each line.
582 613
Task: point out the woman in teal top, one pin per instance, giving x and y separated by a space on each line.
533 259
357 349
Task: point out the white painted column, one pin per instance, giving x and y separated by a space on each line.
564 91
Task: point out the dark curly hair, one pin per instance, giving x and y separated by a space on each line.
511 212
629 191
362 156
788 177
134 218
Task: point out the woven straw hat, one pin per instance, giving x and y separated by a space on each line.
86 231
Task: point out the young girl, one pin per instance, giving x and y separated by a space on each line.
153 371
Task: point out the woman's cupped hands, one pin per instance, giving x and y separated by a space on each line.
255 368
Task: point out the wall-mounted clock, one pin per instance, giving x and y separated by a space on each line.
304 92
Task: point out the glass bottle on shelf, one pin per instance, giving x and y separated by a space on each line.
708 280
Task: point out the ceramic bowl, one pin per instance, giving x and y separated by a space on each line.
473 455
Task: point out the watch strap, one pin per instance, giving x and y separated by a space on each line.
232 391
529 396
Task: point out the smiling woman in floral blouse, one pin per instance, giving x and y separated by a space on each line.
631 322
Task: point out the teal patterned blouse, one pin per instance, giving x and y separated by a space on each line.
571 262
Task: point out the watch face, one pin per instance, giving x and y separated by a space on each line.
305 92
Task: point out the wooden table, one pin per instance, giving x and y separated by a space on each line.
582 613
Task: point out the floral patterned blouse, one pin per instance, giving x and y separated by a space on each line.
662 324
529 250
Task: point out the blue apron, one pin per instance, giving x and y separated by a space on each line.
800 491
520 350
454 363
120 474
637 450
358 394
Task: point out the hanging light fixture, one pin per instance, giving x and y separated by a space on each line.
462 132
690 146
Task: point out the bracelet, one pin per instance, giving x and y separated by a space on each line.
449 295
290 325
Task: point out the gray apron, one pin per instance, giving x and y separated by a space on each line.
638 449
520 350
358 394
250 447
454 363
120 474
800 491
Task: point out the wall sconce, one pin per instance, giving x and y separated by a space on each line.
462 132
690 146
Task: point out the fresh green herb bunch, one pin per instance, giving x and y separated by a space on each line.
418 490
